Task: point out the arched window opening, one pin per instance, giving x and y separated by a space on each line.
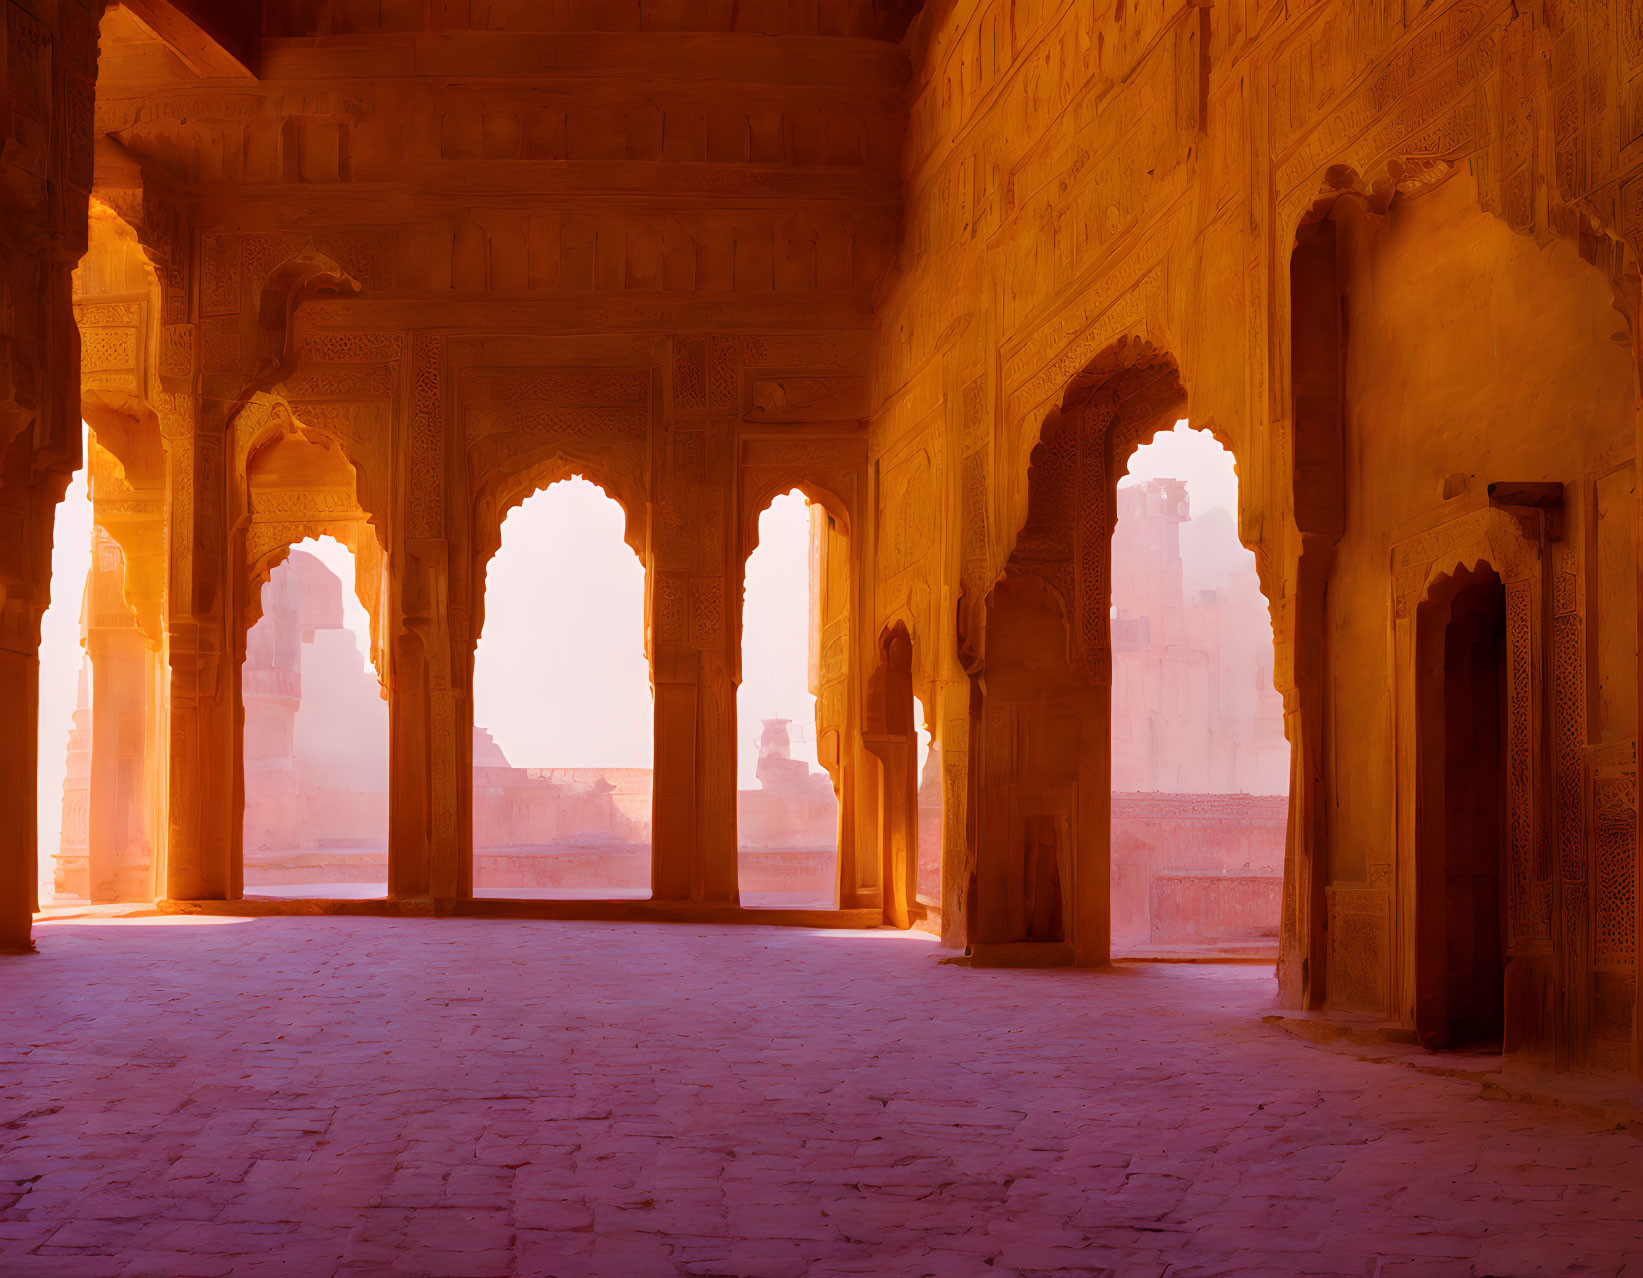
64 771
929 810
563 715
787 813
1200 765
315 735
101 805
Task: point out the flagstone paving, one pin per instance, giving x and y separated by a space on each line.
467 1098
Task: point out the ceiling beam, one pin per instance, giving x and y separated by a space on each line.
212 39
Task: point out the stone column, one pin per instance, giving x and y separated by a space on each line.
45 182
430 666
430 732
890 734
203 781
19 730
39 450
71 875
410 806
673 806
117 857
853 602
1301 665
693 805
1091 932
127 621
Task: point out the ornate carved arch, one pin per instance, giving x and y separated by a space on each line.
1379 186
505 490
309 273
117 308
1310 446
274 520
765 487
357 429
1123 397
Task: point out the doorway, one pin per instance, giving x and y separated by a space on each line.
1461 977
564 721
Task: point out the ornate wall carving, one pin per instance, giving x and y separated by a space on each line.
1359 948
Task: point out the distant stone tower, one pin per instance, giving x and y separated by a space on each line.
778 769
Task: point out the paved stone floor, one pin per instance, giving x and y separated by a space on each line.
309 1096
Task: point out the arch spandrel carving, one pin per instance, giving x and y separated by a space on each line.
358 429
1124 396
1489 536
494 501
528 427
134 518
295 481
117 310
829 471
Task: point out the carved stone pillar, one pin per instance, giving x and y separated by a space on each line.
673 814
20 611
410 801
953 702
693 805
430 661
693 832
117 846
39 450
716 876
46 136
28 503
203 777
1303 940
19 730
891 736
430 732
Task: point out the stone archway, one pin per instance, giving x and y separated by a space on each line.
830 473
1449 582
291 483
796 840
563 756
1040 729
118 312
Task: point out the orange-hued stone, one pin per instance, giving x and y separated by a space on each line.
379 271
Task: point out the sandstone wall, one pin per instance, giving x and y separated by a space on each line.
1093 187
438 259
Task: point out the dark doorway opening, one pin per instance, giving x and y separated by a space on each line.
1460 983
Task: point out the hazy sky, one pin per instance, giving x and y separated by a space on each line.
560 677
1210 549
1192 455
776 637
